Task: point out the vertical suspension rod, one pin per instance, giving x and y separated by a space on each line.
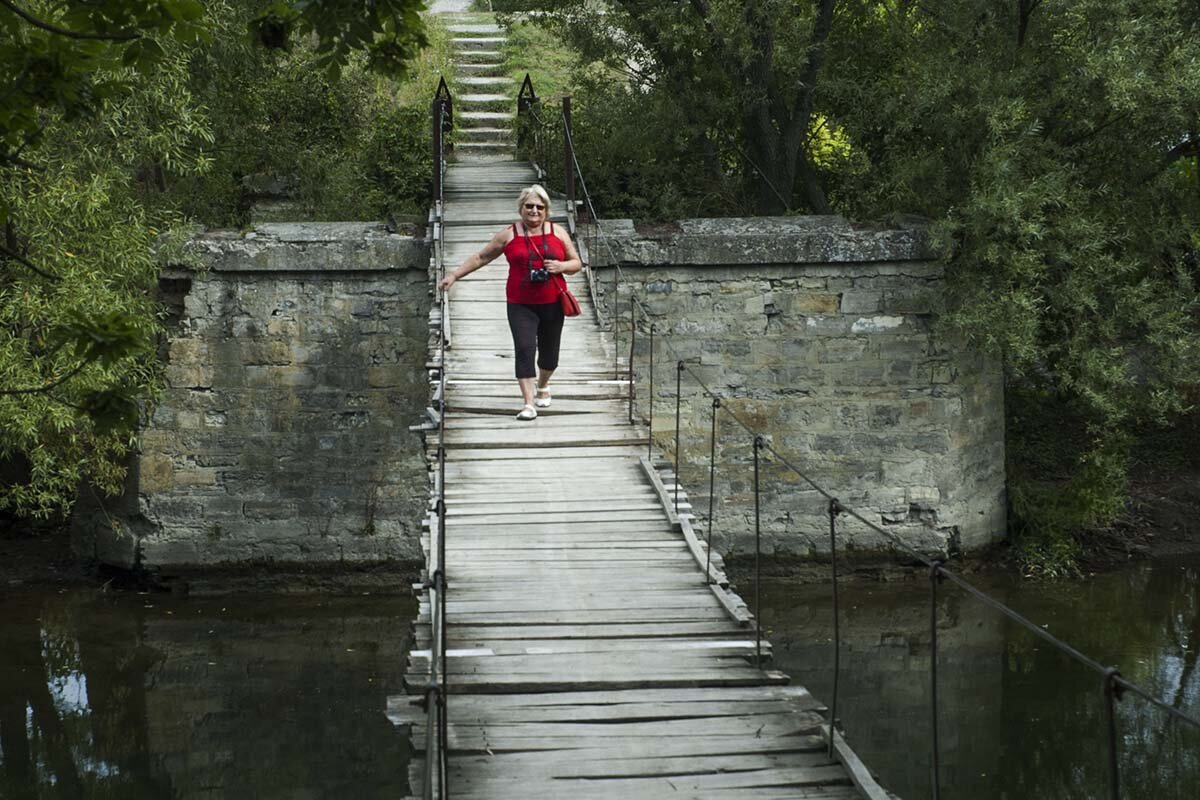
650 443
712 478
1112 693
632 343
935 577
678 385
759 443
834 509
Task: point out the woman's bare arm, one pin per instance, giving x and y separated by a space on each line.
572 263
487 255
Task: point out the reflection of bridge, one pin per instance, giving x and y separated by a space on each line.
588 641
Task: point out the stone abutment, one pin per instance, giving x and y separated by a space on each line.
295 364
820 335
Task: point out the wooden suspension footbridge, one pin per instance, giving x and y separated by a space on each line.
592 646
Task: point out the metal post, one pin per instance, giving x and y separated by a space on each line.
650 443
834 509
616 315
569 157
632 343
934 579
435 112
758 446
443 744
678 383
526 97
1112 693
427 782
712 477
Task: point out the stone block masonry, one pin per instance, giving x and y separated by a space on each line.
822 336
294 365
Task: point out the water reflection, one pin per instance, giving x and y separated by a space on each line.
151 697
1018 719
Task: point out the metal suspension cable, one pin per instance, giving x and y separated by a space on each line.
935 566
1114 684
895 540
925 560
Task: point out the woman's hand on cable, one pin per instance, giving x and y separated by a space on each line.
446 282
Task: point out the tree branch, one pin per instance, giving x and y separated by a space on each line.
1083 137
1025 9
1188 147
24 262
43 389
718 43
822 27
46 26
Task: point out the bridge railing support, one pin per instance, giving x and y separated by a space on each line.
1114 685
436 779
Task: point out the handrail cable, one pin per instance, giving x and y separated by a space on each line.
1114 683
933 564
434 698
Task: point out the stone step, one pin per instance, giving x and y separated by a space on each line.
483 147
485 68
484 102
487 43
475 28
484 118
463 135
485 81
477 56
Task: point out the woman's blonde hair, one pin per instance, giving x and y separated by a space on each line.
537 191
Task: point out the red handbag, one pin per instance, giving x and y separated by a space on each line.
570 305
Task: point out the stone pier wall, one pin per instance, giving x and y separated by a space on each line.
294 366
822 336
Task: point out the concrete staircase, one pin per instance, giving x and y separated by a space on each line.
485 106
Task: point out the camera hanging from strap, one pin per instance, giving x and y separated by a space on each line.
537 275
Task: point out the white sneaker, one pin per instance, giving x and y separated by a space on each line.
543 398
527 413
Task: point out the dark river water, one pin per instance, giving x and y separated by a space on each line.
150 696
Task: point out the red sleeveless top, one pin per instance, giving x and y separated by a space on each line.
526 253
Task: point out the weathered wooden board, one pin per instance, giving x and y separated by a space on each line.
589 655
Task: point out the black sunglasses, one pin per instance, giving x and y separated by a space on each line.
533 207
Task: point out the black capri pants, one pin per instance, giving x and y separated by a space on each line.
536 327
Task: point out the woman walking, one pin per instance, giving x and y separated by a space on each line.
537 252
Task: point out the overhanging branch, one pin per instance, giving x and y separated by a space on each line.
51 28
26 263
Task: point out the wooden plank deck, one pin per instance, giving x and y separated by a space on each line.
588 656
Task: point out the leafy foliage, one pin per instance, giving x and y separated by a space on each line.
736 81
388 32
1045 141
77 321
104 117
1053 147
345 146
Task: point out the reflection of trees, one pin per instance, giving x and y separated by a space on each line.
51 750
1031 724
27 682
1055 717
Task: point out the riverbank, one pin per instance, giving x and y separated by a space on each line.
44 559
1162 522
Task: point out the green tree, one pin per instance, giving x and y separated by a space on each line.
1054 147
78 324
741 78
97 110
